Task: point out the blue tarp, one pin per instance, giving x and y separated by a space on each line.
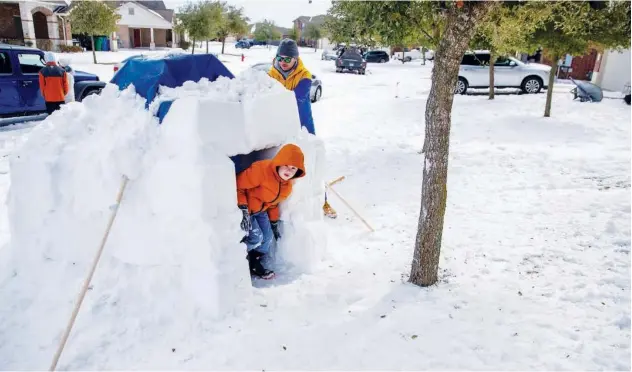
147 74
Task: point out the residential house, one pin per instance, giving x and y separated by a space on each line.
41 23
285 32
144 24
612 70
300 25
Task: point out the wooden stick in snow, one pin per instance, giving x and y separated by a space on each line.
339 179
86 283
350 207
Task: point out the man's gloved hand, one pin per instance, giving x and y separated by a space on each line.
245 221
275 229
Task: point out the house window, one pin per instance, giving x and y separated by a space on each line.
130 11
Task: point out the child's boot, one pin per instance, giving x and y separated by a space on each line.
256 267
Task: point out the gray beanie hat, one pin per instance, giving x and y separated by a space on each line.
288 48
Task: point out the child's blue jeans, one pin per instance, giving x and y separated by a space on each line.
260 235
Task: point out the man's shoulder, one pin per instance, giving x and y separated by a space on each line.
52 71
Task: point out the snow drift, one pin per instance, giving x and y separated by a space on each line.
173 261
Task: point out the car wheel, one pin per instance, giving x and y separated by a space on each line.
531 85
382 60
461 86
408 59
317 94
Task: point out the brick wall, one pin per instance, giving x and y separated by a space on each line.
7 22
60 25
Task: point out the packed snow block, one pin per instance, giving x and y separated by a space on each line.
192 188
255 124
304 232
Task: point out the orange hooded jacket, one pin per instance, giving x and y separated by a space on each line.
261 188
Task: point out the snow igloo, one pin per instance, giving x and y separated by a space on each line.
173 257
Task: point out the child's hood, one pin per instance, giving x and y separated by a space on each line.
290 155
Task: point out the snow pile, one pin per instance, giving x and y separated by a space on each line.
237 116
173 261
248 85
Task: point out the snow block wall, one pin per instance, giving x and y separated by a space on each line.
173 260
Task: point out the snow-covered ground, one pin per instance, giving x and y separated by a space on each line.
536 252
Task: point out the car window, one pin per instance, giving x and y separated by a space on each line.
30 63
5 63
502 61
483 59
470 60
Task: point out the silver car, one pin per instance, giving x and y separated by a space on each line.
509 73
315 92
329 55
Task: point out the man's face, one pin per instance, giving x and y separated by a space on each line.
286 63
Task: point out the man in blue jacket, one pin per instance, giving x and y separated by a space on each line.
288 69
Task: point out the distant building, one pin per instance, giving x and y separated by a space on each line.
612 70
300 25
144 24
42 24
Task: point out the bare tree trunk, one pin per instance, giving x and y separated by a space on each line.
403 56
423 56
94 53
193 48
223 43
206 46
454 42
492 61
549 91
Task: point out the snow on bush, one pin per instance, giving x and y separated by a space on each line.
173 259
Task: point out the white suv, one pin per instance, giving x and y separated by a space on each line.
508 73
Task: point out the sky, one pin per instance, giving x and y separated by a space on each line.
282 12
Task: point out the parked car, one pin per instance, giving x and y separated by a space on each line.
118 66
351 60
315 92
508 73
329 55
378 56
19 81
413 54
242 45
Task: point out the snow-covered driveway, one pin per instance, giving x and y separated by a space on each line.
535 260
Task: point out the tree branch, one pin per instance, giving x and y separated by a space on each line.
432 39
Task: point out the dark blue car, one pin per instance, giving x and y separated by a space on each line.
242 45
19 81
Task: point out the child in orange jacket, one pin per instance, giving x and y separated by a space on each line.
260 189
